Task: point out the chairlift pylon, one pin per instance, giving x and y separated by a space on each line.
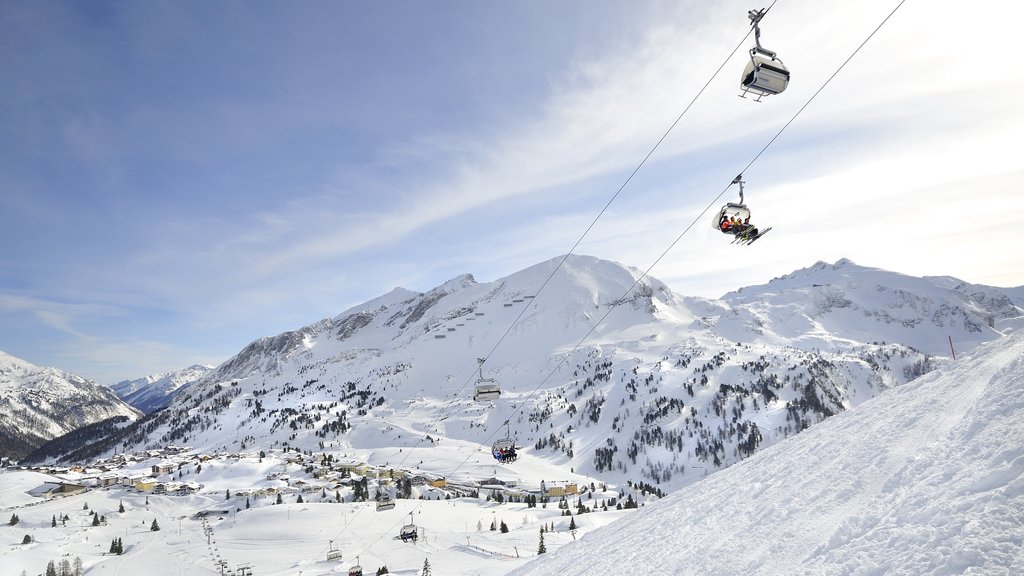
765 74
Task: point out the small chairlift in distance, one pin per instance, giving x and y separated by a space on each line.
504 450
734 219
762 76
356 570
409 531
486 388
384 502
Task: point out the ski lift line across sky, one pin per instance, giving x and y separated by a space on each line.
547 280
649 268
692 224
601 213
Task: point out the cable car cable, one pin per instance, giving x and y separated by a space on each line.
550 276
664 253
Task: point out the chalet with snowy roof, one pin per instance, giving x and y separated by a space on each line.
57 489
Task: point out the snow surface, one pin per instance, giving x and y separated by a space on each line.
803 514
927 478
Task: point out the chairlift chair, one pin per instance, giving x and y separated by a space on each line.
504 450
385 503
735 210
486 389
409 532
765 74
356 570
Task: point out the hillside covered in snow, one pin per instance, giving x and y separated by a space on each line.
928 478
39 404
600 372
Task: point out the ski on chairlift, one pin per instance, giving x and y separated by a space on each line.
734 219
486 388
765 74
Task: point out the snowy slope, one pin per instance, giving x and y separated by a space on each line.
38 404
625 384
927 478
832 304
155 391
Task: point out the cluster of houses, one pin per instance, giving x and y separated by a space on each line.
129 471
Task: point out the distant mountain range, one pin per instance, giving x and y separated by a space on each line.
154 392
39 404
600 372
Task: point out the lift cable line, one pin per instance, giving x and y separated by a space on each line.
700 216
550 276
658 259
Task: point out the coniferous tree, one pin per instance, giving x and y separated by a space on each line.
493 526
227 494
14 519
95 519
64 568
27 539
154 526
51 568
279 500
504 528
246 502
120 546
382 570
113 546
541 548
572 524
120 506
299 499
53 521
77 565
426 567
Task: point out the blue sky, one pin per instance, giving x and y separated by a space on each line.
178 179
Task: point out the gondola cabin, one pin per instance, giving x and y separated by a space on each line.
764 76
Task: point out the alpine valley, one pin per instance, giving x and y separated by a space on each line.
609 380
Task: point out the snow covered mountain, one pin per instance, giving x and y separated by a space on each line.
38 404
154 392
600 373
833 305
927 478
